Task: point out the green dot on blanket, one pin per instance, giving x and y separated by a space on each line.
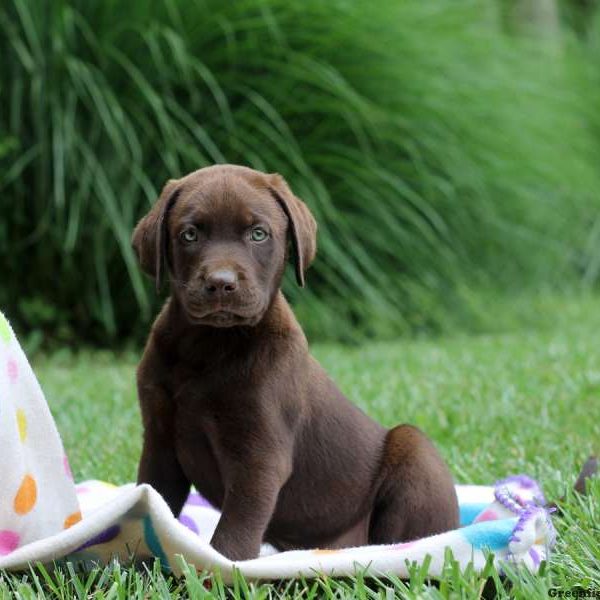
5 333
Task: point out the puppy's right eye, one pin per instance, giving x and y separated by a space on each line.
189 235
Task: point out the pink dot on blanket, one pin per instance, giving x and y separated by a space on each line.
13 370
9 541
487 515
403 546
67 467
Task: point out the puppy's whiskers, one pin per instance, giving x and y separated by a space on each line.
181 283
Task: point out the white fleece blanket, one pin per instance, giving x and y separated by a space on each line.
45 516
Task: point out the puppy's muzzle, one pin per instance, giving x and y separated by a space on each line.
222 297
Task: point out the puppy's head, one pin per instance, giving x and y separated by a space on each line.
221 235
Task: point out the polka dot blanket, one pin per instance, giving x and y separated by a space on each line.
46 517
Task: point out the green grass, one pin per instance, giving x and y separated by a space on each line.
523 401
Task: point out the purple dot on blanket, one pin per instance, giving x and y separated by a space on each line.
526 483
195 499
9 541
102 538
535 557
189 523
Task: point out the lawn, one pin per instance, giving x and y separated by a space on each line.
520 401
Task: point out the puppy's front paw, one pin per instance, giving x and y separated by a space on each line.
235 547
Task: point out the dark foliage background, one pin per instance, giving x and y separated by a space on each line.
448 150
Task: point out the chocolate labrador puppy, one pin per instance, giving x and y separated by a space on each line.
232 401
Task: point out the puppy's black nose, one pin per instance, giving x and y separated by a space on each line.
223 281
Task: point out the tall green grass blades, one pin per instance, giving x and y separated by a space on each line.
445 159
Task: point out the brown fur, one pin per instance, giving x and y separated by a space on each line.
232 401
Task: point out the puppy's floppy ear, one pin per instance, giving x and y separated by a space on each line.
302 225
151 237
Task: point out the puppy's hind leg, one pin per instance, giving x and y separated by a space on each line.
416 497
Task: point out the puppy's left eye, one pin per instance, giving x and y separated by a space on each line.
258 234
189 235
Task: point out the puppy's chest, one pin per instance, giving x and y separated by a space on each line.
204 390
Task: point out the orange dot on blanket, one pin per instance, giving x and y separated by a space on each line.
26 496
72 519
